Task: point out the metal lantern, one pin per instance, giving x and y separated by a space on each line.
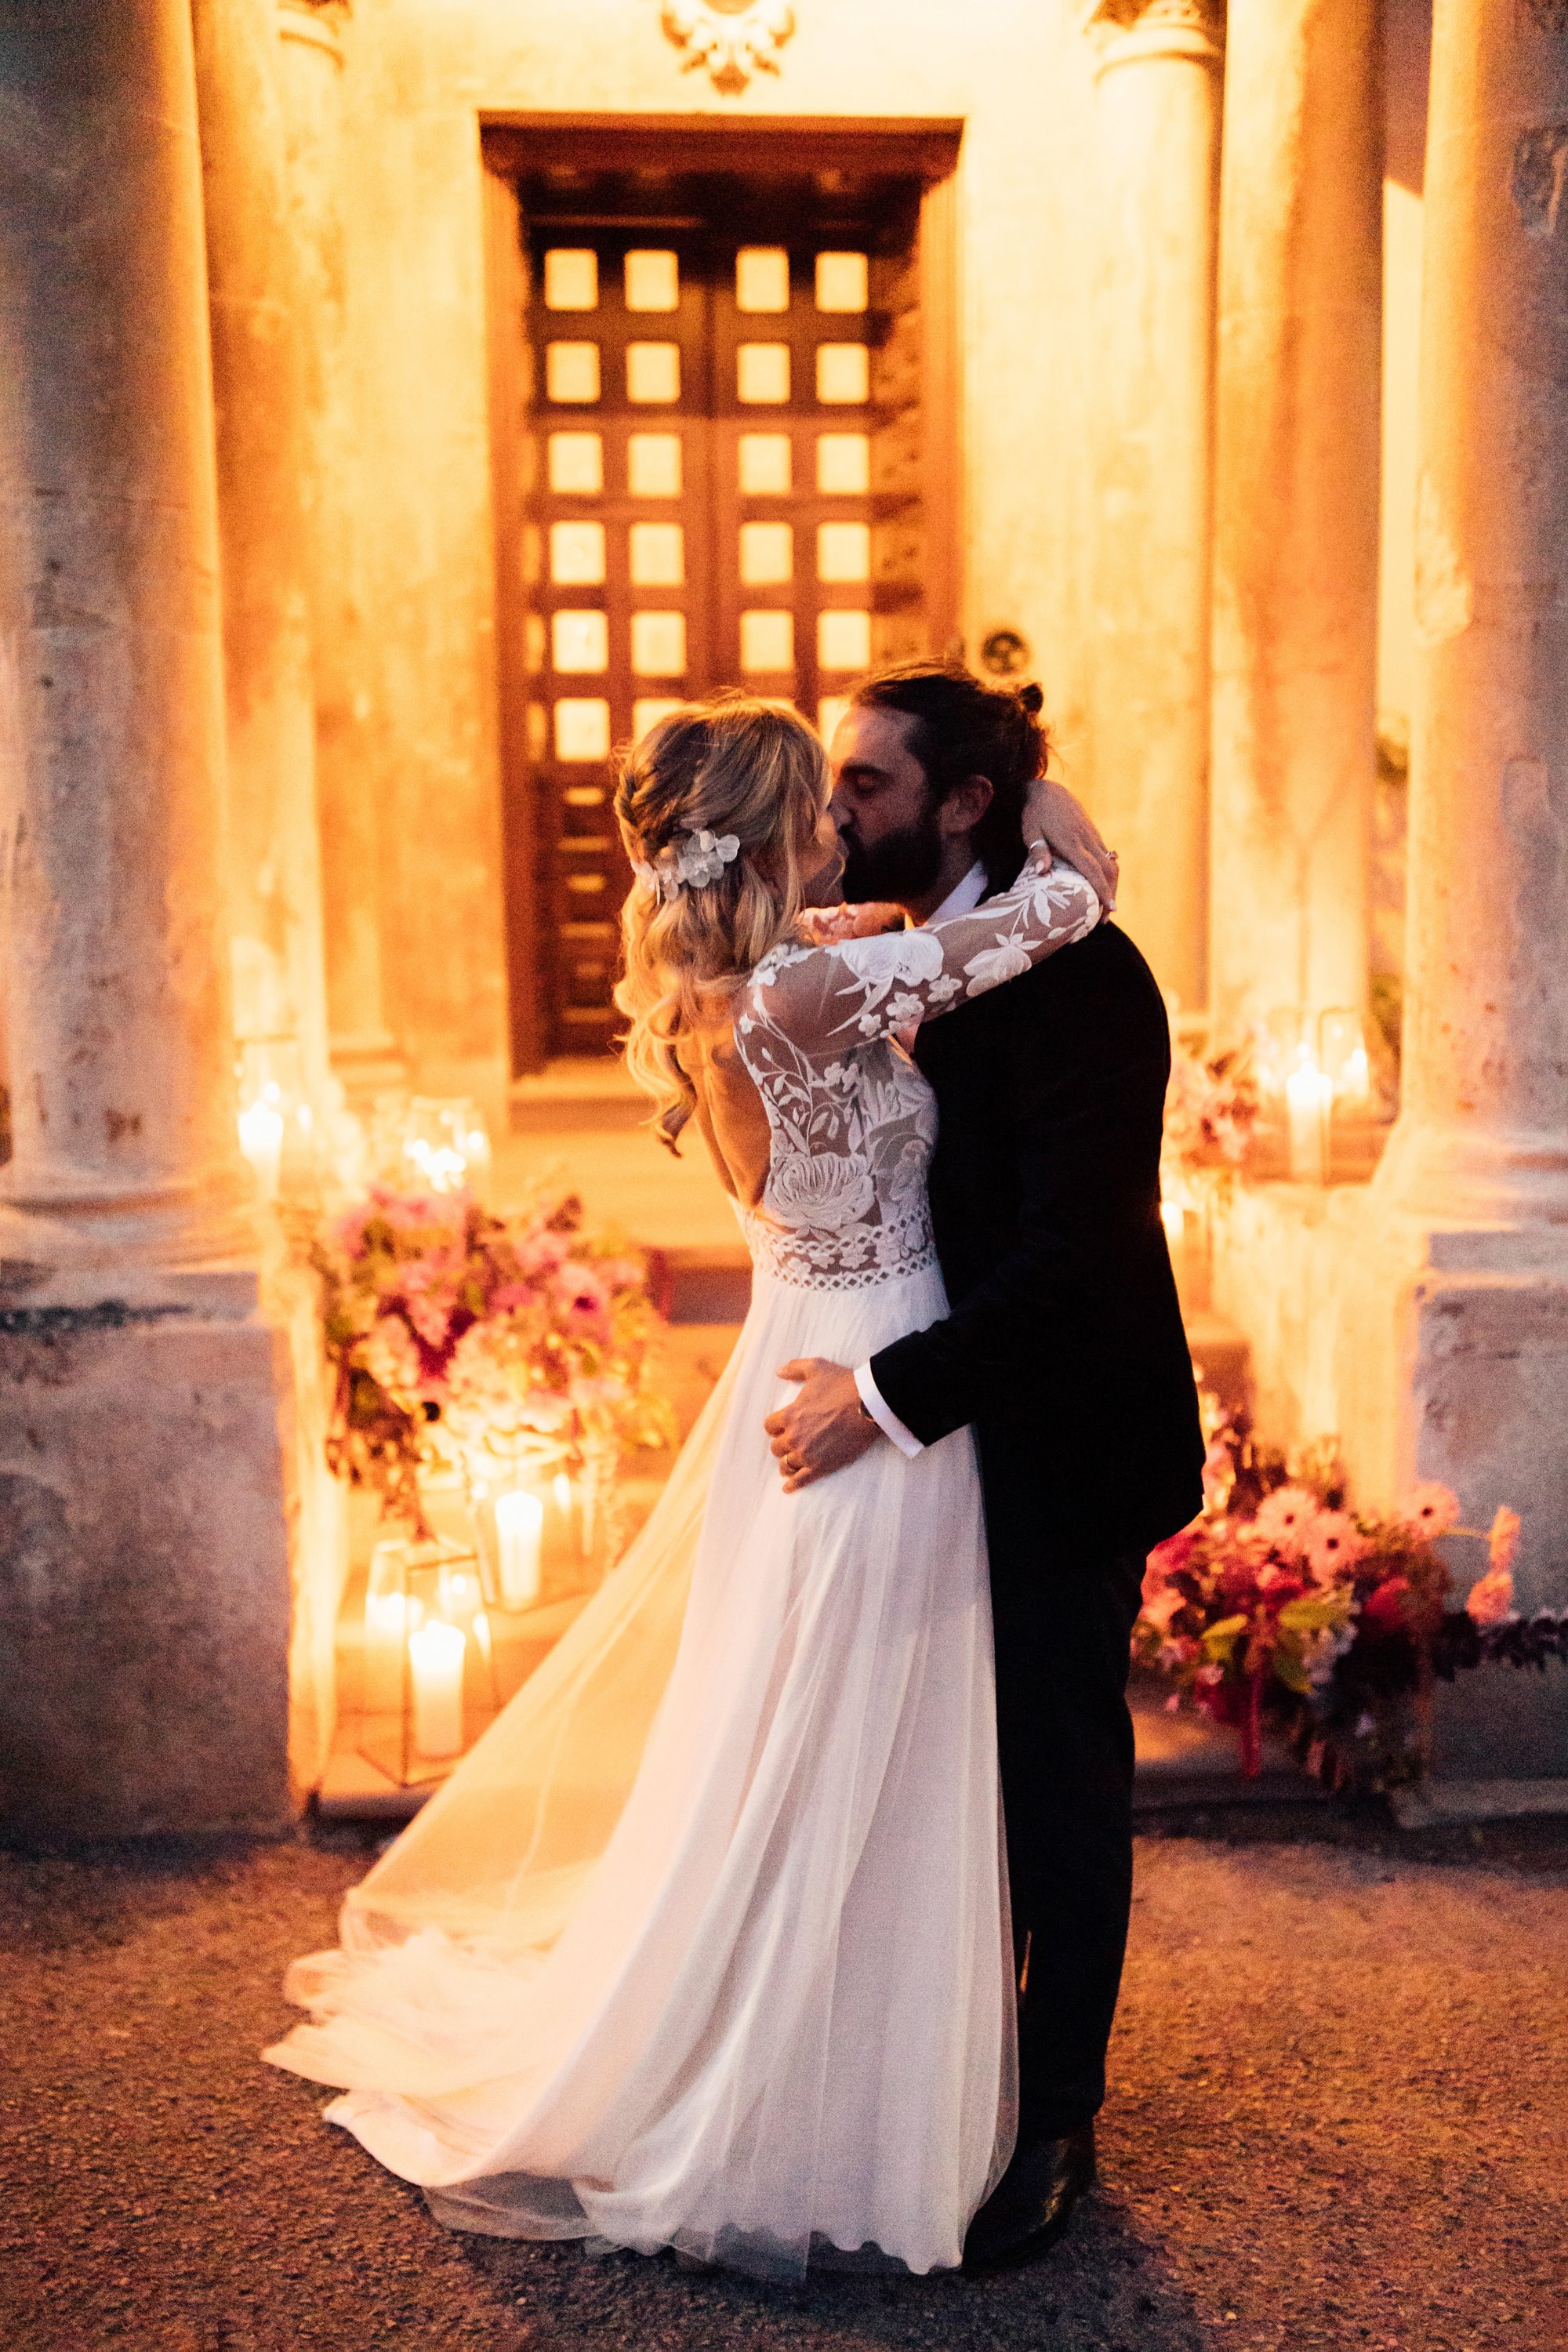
429 1678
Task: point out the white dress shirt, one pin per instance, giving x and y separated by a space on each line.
961 900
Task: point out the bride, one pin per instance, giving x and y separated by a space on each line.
705 1944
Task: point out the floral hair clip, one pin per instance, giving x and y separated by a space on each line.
701 859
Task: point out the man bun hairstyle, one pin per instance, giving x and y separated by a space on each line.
964 727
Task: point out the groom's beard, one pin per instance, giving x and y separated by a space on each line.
901 865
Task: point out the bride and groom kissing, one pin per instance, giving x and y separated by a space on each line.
779 1919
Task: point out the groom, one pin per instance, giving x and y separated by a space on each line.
1063 1350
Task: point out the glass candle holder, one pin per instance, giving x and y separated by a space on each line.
428 1685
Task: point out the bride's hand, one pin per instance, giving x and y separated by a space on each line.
1055 816
830 926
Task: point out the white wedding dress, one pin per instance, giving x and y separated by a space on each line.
704 1945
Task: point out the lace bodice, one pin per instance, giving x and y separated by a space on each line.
851 1120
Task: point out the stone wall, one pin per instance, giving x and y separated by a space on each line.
419 77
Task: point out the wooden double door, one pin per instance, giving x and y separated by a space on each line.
718 483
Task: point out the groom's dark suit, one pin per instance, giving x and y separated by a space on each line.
1064 1347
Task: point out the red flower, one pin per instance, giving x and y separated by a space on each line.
1384 1611
1168 1560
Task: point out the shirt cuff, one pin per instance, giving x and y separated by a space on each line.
886 1421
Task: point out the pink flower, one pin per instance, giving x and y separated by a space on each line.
585 1297
507 1296
1162 1607
1430 1510
1492 1599
542 1255
1332 1543
1286 1518
1503 1540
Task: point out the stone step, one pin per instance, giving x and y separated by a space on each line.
1185 1760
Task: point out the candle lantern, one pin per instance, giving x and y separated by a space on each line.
277 1125
1342 1056
529 1533
429 1679
1314 1078
445 1145
1308 1097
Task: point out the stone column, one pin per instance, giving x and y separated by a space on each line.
144 1504
275 862
1296 508
1159 91
255 309
1453 1354
1484 1131
312 62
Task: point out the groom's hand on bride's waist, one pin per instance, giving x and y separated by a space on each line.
824 1427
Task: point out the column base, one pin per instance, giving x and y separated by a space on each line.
155 1535
1433 1348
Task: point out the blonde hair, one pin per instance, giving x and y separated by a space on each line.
731 764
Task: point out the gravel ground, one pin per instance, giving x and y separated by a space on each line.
1339 2117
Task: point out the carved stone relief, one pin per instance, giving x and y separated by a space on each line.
732 38
1187 27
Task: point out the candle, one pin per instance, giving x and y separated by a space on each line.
1355 1079
436 1664
388 1613
1174 1217
261 1139
520 1530
1307 1096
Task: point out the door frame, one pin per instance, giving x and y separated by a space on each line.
512 144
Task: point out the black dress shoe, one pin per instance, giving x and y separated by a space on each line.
1030 2206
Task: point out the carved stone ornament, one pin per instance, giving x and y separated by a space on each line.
1124 28
733 39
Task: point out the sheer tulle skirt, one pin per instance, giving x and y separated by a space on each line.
704 1945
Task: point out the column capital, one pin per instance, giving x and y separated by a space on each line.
1133 32
315 23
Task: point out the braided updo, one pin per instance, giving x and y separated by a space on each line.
732 764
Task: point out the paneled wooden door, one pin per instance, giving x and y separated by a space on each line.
716 490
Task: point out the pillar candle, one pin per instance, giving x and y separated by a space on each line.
1308 1095
262 1140
519 1530
1356 1081
436 1664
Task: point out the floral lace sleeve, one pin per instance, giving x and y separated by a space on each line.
829 1000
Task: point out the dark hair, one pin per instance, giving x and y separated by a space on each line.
964 727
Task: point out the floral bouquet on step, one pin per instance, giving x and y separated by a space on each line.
1282 1608
485 1344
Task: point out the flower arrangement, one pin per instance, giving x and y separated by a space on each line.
488 1345
1211 1108
1282 1608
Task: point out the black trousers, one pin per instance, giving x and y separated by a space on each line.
1064 1611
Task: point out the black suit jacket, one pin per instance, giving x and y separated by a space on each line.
1064 1338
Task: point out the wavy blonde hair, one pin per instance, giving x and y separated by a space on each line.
731 764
